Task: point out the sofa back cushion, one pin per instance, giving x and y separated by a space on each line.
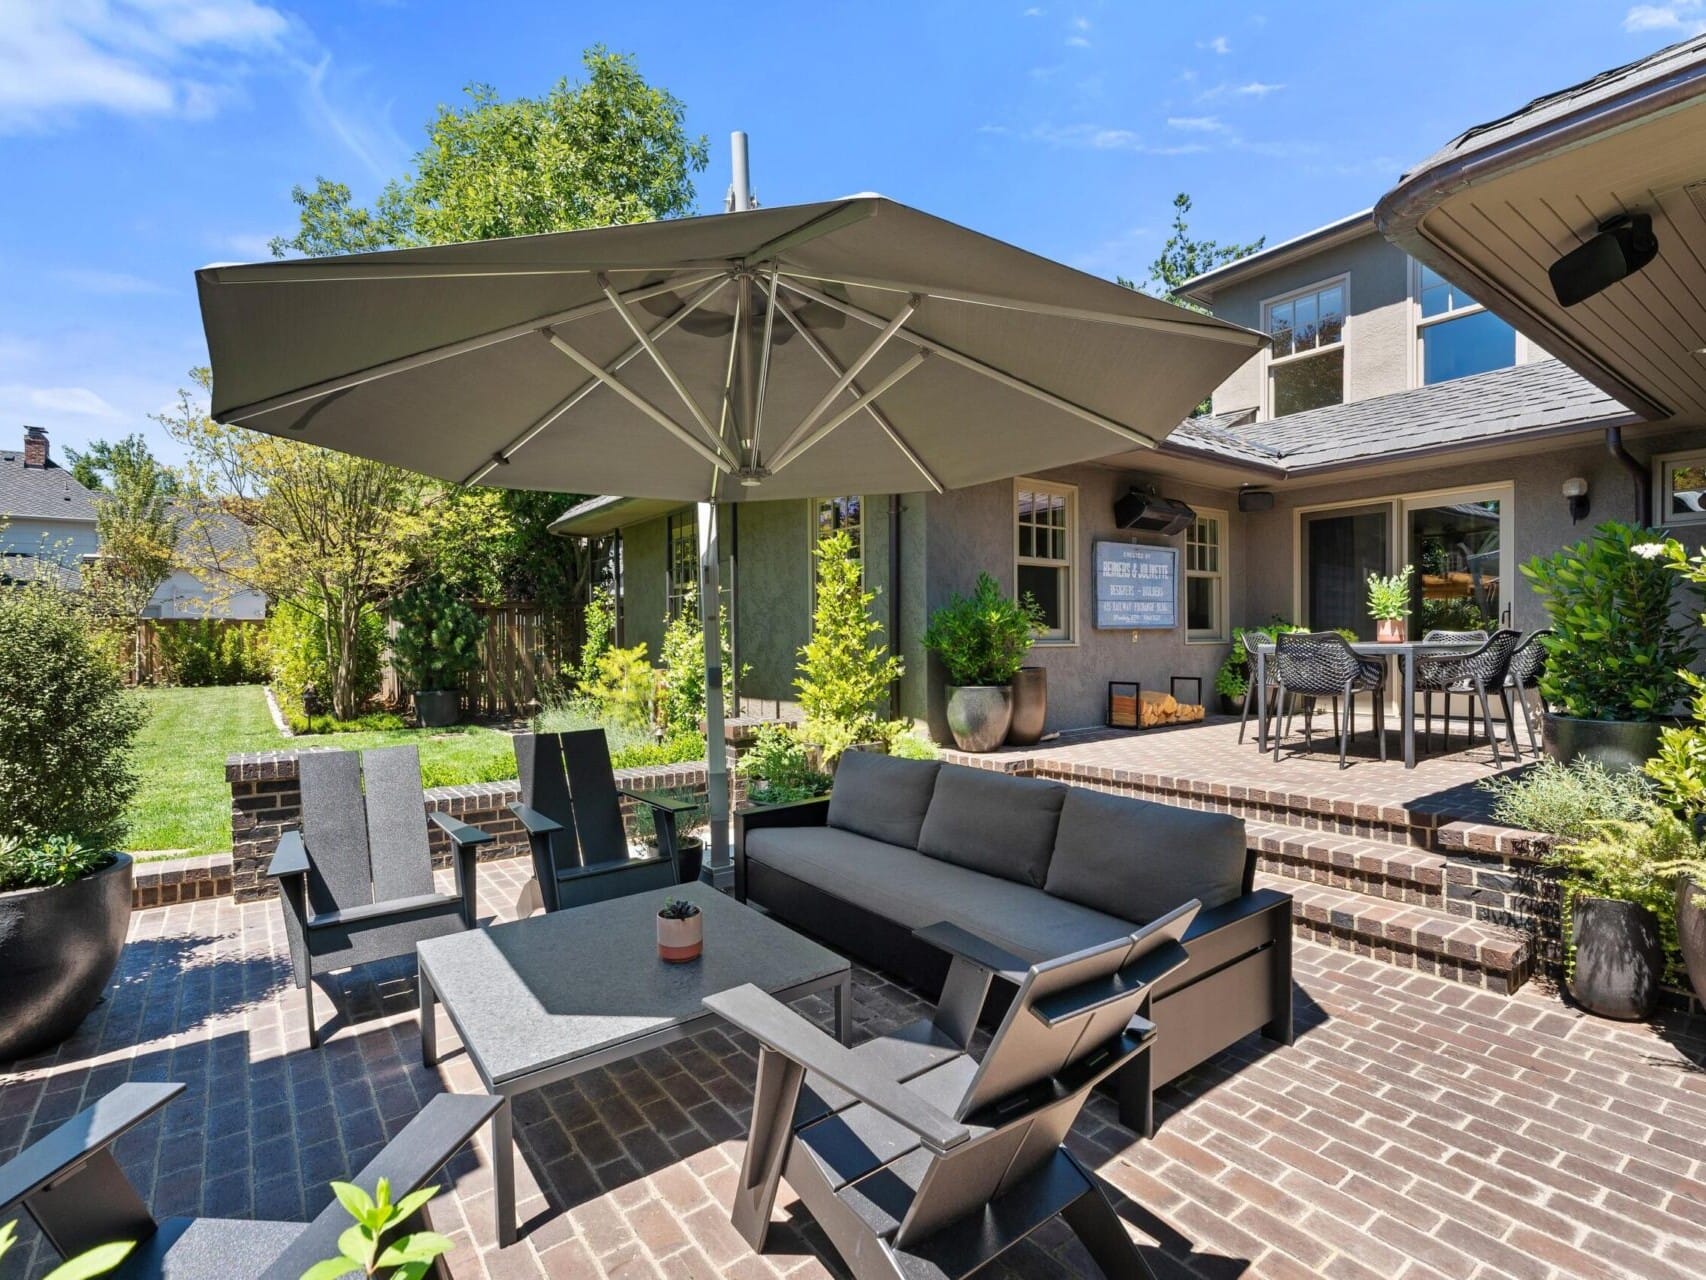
1138 860
993 822
882 797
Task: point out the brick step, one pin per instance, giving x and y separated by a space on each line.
1368 865
1407 935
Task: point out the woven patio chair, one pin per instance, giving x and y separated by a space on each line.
355 882
1432 675
1478 674
1528 664
920 1160
1250 692
571 809
74 1188
1319 664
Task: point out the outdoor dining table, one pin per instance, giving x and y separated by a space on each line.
1406 653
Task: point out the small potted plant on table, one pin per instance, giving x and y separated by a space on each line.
681 931
982 640
1389 605
436 645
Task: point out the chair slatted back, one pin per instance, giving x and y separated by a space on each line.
334 830
1318 662
396 823
592 786
545 788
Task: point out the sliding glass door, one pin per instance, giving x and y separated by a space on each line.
1341 547
1459 547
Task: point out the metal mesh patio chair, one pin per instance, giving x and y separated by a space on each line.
1319 664
356 880
920 1160
1528 664
1433 674
73 1187
1251 693
1477 674
571 808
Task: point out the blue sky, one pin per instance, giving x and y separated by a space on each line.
140 139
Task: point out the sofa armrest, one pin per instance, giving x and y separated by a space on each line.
756 817
966 945
1245 907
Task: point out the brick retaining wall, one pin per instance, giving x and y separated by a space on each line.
266 801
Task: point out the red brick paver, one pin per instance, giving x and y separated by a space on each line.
1418 1128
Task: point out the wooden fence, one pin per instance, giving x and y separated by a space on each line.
521 656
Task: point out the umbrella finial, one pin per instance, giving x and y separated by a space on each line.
740 189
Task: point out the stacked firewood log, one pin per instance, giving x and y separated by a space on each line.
1157 708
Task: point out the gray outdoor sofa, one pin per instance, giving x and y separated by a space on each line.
1039 869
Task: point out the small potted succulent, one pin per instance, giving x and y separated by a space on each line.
1389 604
437 644
982 640
681 931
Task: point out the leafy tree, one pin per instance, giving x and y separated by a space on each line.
1183 257
844 675
683 656
134 520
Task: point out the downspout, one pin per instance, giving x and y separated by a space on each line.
1637 472
894 598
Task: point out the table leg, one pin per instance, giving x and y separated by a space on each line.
1407 713
429 1020
503 1173
1261 700
844 1010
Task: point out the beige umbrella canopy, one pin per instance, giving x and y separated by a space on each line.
852 346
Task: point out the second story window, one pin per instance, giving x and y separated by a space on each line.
1306 364
1457 335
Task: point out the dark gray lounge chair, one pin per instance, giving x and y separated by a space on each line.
73 1187
356 881
921 1161
571 809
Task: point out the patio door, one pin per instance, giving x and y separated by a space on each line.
1460 545
1341 547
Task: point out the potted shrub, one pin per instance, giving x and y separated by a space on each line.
66 728
779 769
1389 604
681 931
436 645
689 849
982 640
1614 659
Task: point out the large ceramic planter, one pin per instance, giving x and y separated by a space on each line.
1691 933
1030 706
1615 744
979 715
1619 958
58 947
438 708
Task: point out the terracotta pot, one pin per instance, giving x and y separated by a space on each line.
979 715
681 940
1616 745
1030 706
1691 933
1389 630
1619 958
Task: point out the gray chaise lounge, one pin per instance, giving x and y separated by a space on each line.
1041 870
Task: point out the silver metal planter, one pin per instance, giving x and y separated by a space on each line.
979 715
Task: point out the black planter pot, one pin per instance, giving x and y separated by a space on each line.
438 708
1229 706
1619 958
1691 933
58 947
1615 744
690 858
1030 707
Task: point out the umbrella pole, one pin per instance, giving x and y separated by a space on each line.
716 750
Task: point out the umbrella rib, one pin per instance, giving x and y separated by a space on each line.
900 371
844 215
503 455
881 418
890 327
977 366
752 456
462 346
713 456
664 367
331 271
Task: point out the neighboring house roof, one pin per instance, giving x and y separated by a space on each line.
41 493
1201 288
18 569
1539 398
209 537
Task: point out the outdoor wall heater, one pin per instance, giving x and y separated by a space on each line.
1146 510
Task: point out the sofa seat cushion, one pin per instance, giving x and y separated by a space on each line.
883 797
1142 858
913 890
993 822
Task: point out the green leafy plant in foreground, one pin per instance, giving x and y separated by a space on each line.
362 1248
983 638
96 1262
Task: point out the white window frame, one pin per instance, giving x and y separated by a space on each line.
1271 362
675 594
1664 467
1420 324
1068 635
813 507
1219 633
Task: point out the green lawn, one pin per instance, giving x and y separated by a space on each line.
183 803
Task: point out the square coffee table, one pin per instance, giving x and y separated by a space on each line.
542 999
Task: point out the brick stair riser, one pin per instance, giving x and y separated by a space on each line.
1372 883
1422 960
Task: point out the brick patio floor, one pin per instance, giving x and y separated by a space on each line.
1418 1128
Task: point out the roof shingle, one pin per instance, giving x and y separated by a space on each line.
41 493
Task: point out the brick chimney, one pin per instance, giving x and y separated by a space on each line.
35 446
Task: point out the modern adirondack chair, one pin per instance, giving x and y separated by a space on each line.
356 881
72 1186
571 809
923 1162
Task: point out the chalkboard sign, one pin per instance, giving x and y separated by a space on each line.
1137 588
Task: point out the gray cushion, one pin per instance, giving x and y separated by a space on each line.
993 822
913 891
1143 859
883 797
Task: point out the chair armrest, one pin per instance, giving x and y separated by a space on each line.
1243 907
408 1162
659 802
979 951
459 832
780 1029
84 1134
535 823
290 858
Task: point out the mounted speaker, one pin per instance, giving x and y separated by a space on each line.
1623 246
1255 500
1152 513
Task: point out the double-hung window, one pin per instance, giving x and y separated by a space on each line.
1306 363
1046 537
683 551
1205 577
1457 336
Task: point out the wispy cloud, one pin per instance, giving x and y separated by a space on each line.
85 280
1032 12
1090 137
366 131
1257 89
1219 44
75 401
1227 88
1197 124
251 246
1682 17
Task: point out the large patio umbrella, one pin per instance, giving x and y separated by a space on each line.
852 346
